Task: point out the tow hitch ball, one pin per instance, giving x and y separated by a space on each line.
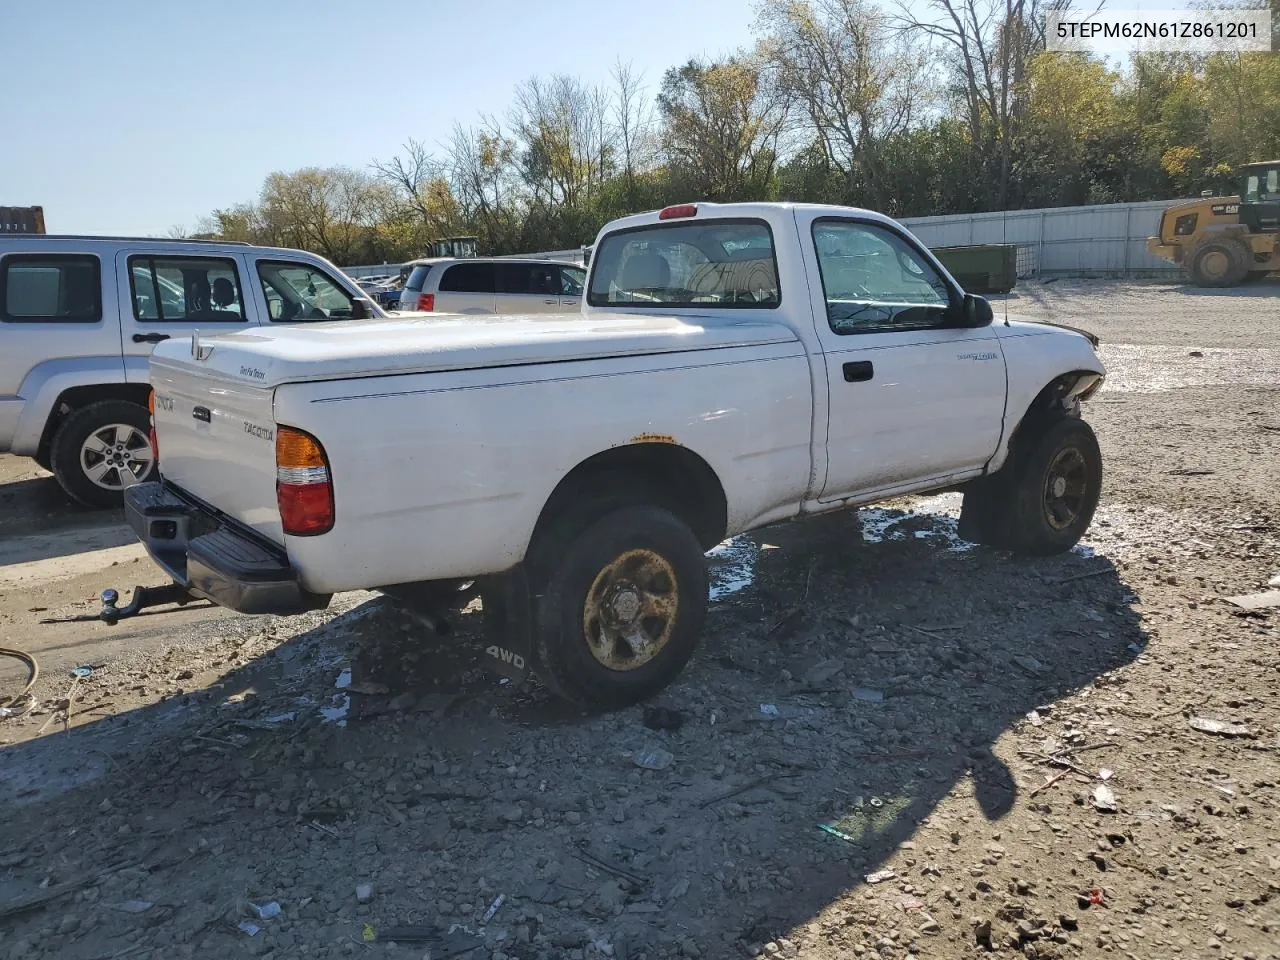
112 613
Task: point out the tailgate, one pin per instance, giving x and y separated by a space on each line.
217 442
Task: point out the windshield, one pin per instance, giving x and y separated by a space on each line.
722 262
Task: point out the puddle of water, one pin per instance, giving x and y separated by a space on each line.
733 566
1156 369
881 524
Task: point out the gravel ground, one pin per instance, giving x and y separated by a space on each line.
892 744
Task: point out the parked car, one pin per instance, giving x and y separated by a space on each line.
732 366
492 286
79 317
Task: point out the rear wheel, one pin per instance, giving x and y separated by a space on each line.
1219 263
620 604
101 449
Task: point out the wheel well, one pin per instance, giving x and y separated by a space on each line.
664 474
74 398
1060 397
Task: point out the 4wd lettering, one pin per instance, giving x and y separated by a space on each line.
252 372
506 656
1225 209
164 403
262 433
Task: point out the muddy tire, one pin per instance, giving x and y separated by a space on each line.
1044 498
619 604
101 449
1219 263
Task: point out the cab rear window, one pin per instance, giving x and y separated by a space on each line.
722 263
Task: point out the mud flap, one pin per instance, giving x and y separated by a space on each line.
508 632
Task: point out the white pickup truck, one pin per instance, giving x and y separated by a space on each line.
732 366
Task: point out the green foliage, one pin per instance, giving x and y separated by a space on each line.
841 101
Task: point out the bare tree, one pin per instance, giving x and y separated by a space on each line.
991 43
858 83
632 122
419 180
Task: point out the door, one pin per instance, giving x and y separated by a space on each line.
466 288
165 295
527 287
910 396
572 281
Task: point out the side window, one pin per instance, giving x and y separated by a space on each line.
526 278
874 280
169 289
298 291
52 288
468 278
572 280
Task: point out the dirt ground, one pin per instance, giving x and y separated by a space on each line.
893 744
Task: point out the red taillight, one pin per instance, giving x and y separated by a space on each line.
151 412
426 301
678 211
304 492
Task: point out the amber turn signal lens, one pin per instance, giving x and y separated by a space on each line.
295 449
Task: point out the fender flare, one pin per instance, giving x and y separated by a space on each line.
48 381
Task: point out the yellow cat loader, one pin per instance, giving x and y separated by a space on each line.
1223 241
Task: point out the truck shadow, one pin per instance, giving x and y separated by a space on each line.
852 675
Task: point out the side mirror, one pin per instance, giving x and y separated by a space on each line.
361 309
976 312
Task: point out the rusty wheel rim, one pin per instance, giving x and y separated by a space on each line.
630 610
1066 486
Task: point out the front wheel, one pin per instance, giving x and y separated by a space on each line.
620 607
101 449
1043 500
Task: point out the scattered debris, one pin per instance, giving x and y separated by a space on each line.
1106 774
82 672
265 911
1219 727
1030 664
654 758
364 892
252 929
836 832
880 876
494 908
344 679
1104 798
1256 601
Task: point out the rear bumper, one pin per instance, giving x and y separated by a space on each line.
213 557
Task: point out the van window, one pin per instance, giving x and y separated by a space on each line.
418 277
728 263
52 288
528 278
468 278
572 280
177 289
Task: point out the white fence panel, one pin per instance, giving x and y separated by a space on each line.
1109 239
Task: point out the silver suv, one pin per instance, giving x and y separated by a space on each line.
79 317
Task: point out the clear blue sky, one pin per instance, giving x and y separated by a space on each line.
132 116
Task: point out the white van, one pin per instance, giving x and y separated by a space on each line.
493 285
